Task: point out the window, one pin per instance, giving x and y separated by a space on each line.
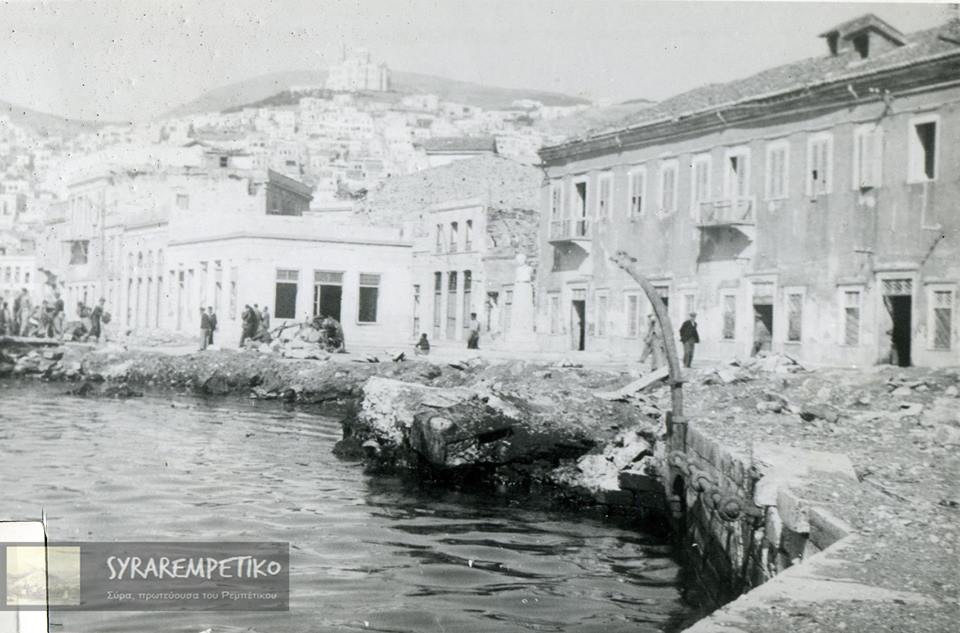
467 299
689 304
454 234
451 332
638 190
729 317
867 156
668 186
437 307
601 315
553 300
699 182
941 304
468 236
604 194
224 161
736 183
633 315
556 200
369 296
819 164
664 293
851 317
439 238
580 199
327 293
79 251
233 291
203 284
794 317
285 304
923 149
217 285
183 201
778 166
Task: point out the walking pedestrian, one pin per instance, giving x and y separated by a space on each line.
263 331
213 322
246 329
473 340
689 337
204 329
653 344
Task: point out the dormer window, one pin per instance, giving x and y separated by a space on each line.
861 44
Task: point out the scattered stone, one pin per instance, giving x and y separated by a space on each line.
951 391
901 392
813 411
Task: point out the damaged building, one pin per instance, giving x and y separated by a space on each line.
473 225
816 200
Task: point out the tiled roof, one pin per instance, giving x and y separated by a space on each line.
461 144
919 46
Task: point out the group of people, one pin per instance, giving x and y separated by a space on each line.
48 319
208 325
255 324
654 346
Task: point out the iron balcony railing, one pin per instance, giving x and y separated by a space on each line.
578 229
728 212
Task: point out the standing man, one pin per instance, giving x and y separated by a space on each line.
58 314
473 341
213 322
96 321
689 337
653 347
26 309
247 328
204 329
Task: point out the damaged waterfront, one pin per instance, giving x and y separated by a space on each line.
369 552
815 492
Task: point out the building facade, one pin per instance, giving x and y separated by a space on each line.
815 201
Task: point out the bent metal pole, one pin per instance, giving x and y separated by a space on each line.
629 265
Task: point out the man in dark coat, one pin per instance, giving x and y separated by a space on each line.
249 327
689 337
204 329
213 324
96 321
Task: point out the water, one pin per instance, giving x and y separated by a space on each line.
367 552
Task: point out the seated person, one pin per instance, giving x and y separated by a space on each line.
422 347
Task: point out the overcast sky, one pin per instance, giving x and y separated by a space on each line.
134 59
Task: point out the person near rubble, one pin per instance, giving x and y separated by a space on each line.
97 320
249 327
24 312
212 317
45 315
333 331
59 314
4 318
422 348
263 328
653 344
761 335
473 339
204 329
689 337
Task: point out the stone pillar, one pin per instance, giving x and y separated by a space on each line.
520 332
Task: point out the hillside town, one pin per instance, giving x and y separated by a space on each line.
403 215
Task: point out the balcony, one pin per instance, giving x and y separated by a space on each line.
570 230
730 212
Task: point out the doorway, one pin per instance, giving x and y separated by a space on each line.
578 324
763 327
901 310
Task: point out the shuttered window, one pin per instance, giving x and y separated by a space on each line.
851 317
942 319
729 317
794 317
820 165
867 156
633 315
638 190
776 182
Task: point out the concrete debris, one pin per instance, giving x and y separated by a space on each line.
819 411
625 393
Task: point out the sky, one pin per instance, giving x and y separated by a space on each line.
135 59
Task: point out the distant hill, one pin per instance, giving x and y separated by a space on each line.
43 124
593 119
260 89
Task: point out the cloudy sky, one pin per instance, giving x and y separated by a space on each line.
134 59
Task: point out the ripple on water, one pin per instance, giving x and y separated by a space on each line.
366 553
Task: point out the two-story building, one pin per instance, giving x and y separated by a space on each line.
818 199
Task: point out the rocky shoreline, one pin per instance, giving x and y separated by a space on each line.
515 423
